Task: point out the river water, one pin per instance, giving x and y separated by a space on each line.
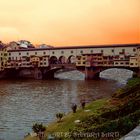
24 102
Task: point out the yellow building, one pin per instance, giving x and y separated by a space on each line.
90 60
3 59
108 61
81 60
41 61
35 60
138 57
135 60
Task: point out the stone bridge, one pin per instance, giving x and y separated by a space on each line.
48 72
91 60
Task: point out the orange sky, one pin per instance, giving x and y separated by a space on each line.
70 22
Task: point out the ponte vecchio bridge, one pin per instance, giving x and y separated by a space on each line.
42 63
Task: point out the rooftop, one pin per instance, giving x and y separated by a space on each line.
81 47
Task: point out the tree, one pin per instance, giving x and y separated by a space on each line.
59 116
39 129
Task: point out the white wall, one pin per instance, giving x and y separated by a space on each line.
67 52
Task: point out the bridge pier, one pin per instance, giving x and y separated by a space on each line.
139 73
38 74
49 75
91 73
136 72
10 74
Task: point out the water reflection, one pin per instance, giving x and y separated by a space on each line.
23 103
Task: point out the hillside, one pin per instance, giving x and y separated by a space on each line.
102 119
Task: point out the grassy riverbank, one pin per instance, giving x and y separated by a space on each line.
112 117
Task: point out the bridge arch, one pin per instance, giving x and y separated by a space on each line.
71 59
116 73
53 60
62 59
113 73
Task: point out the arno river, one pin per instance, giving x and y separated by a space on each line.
24 102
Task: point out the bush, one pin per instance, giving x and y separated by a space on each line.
38 128
59 116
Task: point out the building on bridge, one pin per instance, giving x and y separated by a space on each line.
90 57
135 60
3 57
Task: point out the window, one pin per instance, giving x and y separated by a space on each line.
53 52
44 53
131 63
112 50
123 50
116 63
121 63
102 51
134 49
27 53
27 59
84 62
71 51
19 53
9 54
81 51
35 53
62 52
91 51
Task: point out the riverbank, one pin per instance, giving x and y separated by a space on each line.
107 118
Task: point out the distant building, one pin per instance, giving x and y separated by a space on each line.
44 46
22 44
12 46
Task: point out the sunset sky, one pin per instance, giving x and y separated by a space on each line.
70 22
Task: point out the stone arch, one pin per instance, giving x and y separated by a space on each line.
71 59
62 59
116 73
53 60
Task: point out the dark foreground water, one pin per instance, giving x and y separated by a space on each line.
22 103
